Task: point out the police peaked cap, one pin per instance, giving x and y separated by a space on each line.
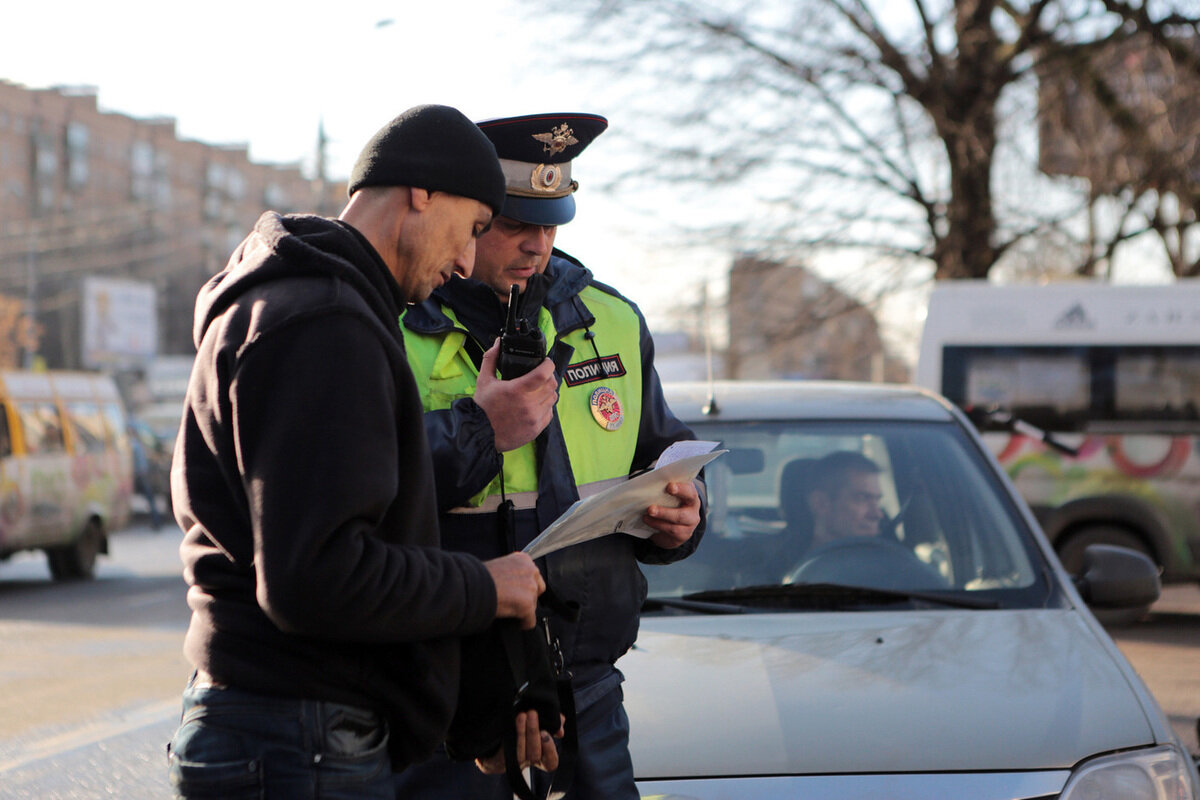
535 153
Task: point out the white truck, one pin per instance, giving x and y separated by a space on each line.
1112 371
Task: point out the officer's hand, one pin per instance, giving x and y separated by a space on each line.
675 525
519 409
518 584
535 748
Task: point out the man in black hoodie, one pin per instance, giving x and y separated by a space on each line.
324 613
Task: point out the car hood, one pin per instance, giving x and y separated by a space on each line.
854 692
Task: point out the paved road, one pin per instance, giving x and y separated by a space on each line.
1165 650
91 672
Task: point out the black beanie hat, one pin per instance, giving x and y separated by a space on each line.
436 148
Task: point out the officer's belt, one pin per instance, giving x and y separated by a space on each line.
523 500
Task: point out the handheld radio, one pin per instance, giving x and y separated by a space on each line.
522 346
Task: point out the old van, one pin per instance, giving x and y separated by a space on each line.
66 467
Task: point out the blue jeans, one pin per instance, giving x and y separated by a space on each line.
233 744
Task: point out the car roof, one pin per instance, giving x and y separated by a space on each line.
781 400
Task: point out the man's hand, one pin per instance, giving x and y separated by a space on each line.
535 748
675 525
518 584
519 409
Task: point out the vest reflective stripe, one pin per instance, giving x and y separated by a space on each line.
527 500
521 500
445 373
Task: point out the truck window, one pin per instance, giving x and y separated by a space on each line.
87 425
1079 388
1021 381
116 433
1162 384
42 427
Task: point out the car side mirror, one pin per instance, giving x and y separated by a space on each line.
1117 577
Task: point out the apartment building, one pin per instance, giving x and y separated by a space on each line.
85 192
785 322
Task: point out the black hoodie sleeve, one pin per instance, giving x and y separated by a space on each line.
336 473
465 459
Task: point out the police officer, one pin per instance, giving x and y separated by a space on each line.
590 414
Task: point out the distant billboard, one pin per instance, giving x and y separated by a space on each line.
120 326
1121 114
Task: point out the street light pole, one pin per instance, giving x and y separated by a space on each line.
30 295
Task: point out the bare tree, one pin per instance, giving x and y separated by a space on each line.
878 127
1122 113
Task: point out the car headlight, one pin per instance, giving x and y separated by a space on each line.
1158 774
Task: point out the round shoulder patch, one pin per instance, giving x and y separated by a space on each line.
606 408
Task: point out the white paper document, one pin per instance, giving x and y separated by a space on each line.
619 509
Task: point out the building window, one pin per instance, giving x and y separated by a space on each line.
77 155
141 170
214 190
45 169
162 180
236 184
274 197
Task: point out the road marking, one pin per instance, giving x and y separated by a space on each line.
92 733
152 598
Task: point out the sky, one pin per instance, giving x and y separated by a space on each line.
267 74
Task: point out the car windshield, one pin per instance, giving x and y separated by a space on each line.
901 513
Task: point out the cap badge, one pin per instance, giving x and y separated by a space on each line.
557 140
545 178
606 408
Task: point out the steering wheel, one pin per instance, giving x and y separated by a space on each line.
866 561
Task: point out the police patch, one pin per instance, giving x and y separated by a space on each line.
606 408
596 369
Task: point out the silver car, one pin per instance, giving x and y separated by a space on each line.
945 656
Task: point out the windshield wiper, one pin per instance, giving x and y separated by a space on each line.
993 417
699 606
831 596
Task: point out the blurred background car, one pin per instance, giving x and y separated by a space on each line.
936 649
66 472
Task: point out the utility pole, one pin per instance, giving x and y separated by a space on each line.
30 293
320 182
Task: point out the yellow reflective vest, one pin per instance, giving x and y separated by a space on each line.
599 402
581 448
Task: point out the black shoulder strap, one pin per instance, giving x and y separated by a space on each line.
569 752
474 350
568 748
